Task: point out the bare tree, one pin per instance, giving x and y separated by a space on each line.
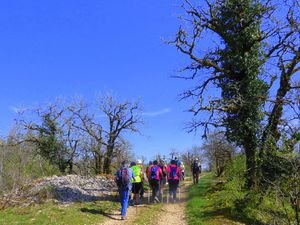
106 136
86 122
191 154
122 117
218 151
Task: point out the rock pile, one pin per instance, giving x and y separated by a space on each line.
65 189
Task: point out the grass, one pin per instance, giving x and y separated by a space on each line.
201 208
57 214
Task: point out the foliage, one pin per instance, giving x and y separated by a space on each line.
19 164
245 38
72 136
49 142
273 206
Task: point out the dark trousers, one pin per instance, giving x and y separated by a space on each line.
196 177
154 184
173 185
182 175
142 190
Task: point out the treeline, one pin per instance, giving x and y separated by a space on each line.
68 137
247 86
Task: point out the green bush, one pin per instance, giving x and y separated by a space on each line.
234 175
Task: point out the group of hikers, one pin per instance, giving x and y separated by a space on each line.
131 178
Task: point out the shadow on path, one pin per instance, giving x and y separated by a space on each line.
100 212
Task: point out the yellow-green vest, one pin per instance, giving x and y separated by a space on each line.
137 173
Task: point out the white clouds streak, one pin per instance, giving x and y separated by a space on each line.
158 113
15 109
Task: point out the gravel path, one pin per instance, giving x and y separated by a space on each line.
174 213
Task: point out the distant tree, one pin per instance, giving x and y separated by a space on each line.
106 134
196 152
87 123
122 117
218 151
173 153
123 152
47 134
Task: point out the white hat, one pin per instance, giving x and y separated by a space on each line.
139 161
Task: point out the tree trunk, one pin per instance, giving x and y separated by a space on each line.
71 166
108 160
250 165
98 163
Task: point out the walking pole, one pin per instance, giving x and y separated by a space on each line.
162 192
168 193
179 192
148 192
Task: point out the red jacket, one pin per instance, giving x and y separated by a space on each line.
178 172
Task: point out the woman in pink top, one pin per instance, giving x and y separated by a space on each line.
154 176
173 175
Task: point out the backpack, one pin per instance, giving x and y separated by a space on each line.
195 167
173 172
123 178
153 173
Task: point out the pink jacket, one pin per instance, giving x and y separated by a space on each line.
178 172
158 174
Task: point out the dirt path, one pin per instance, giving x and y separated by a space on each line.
170 213
174 213
131 214
115 217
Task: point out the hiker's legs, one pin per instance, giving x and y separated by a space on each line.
171 188
197 177
136 191
152 185
162 186
175 186
142 190
194 177
156 186
124 194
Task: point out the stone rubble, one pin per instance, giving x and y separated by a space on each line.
64 189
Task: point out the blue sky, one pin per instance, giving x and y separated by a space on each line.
66 48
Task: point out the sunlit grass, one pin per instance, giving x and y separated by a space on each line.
57 214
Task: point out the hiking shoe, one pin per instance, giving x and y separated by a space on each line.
122 217
131 203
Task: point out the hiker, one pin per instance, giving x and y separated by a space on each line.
149 165
144 177
123 178
136 183
173 175
182 167
177 161
196 169
154 176
163 166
